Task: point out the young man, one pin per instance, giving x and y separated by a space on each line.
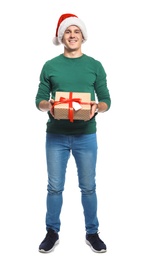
72 71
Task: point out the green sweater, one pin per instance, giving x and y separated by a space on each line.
83 74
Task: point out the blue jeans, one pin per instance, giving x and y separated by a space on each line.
84 150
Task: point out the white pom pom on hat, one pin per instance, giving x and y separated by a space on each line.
64 22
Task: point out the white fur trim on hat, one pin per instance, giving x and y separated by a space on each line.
57 40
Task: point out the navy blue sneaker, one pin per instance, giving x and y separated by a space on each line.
50 241
96 244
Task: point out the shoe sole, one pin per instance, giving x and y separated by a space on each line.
97 251
44 251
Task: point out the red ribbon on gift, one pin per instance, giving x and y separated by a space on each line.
70 101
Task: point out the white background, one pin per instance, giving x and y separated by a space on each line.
116 38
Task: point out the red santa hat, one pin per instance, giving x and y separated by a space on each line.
64 22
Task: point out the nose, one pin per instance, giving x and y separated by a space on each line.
72 34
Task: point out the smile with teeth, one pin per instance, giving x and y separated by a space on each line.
72 41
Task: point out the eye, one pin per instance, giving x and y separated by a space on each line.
67 31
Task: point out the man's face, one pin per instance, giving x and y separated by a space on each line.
72 38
